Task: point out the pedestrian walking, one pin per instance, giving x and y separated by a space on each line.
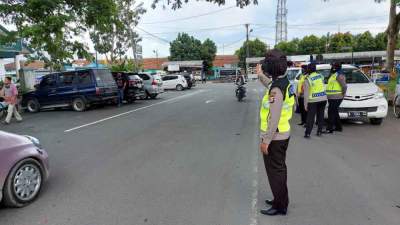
300 95
314 99
10 94
275 114
121 83
335 90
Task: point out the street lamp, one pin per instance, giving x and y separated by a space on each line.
352 52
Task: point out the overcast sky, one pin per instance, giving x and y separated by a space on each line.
305 17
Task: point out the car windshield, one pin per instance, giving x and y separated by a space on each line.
355 77
291 74
103 77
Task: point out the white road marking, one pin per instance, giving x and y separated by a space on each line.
131 111
210 101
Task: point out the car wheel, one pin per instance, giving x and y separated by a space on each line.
145 96
33 105
376 121
396 106
153 96
179 87
78 105
23 183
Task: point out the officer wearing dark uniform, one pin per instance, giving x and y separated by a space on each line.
275 114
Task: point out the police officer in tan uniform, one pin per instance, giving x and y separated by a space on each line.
275 114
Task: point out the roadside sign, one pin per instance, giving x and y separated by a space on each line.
173 68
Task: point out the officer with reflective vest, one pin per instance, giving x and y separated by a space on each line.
314 99
300 95
335 90
275 114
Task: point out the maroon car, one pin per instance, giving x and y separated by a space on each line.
24 167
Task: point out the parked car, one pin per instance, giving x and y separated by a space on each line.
77 89
396 102
134 88
363 100
177 82
190 80
24 168
153 85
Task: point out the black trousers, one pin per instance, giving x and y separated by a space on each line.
315 109
302 110
333 114
275 166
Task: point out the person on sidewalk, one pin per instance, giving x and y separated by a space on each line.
314 99
275 114
300 95
10 95
336 90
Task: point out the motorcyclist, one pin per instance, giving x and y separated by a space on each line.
240 81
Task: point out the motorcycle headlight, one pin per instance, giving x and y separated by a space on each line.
379 95
34 141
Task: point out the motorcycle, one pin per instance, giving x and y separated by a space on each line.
240 92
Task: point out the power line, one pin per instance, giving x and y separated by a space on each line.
201 29
155 36
191 17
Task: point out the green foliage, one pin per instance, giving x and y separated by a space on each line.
186 47
115 40
50 28
126 66
257 48
178 3
339 42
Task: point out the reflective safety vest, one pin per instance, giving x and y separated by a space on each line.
300 84
317 86
286 114
334 86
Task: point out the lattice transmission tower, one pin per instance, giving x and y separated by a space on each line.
281 22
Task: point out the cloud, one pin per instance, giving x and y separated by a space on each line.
305 17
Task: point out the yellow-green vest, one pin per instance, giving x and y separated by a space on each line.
317 86
300 84
286 114
334 86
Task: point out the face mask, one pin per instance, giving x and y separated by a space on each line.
7 85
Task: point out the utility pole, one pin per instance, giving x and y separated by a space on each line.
156 52
247 47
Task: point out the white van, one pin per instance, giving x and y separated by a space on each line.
363 100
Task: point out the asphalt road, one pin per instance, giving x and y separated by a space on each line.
191 158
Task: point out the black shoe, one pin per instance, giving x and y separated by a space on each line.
339 129
273 212
319 133
307 136
329 132
269 202
301 124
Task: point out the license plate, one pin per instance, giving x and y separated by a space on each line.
357 114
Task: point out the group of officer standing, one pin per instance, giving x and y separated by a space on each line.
313 95
276 112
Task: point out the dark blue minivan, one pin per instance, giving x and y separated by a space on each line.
78 89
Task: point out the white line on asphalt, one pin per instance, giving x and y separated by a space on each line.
131 111
254 194
210 101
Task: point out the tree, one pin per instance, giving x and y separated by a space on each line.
208 52
341 42
120 36
364 42
186 47
50 28
289 48
257 48
309 45
178 3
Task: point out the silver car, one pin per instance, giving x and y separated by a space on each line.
153 85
